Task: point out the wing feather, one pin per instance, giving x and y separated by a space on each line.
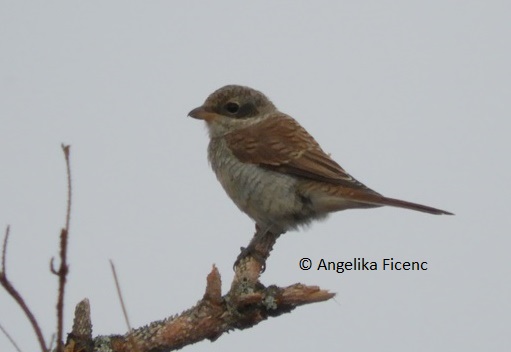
281 144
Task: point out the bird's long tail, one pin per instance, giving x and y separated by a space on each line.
381 200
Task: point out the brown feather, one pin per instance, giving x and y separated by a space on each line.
281 144
381 200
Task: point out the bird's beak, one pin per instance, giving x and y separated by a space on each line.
202 113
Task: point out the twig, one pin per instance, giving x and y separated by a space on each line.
7 285
4 248
52 341
119 293
64 268
10 338
66 148
132 341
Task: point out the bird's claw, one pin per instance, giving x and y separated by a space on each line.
250 251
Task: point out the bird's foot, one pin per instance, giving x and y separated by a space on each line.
253 252
259 247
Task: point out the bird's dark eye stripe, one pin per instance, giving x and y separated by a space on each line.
232 107
236 110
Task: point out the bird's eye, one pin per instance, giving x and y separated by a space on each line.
232 107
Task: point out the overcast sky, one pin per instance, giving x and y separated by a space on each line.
412 98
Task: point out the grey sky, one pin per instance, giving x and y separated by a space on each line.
412 98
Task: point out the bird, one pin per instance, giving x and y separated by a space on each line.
274 170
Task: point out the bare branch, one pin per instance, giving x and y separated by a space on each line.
66 149
52 341
215 315
119 293
10 338
247 303
52 267
123 306
4 248
64 268
62 275
7 285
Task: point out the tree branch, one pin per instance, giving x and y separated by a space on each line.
247 303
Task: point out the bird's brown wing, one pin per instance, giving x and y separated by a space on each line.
281 144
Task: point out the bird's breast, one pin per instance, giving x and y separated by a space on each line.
268 197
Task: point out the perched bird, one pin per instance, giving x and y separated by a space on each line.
273 169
